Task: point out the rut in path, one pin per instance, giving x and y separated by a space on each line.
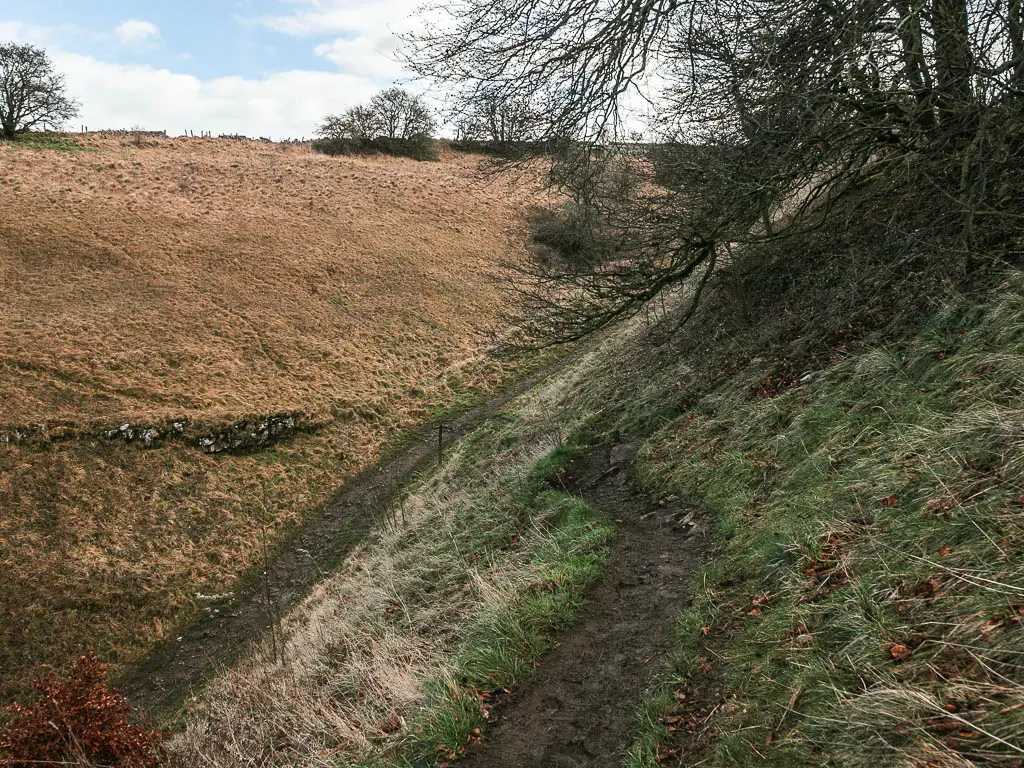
578 708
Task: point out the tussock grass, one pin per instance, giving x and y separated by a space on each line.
217 279
865 605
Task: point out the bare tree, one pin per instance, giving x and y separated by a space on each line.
359 123
32 95
392 114
496 120
401 115
770 110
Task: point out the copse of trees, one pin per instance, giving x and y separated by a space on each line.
32 95
771 110
394 122
492 124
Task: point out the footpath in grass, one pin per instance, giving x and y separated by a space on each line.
456 593
864 606
577 707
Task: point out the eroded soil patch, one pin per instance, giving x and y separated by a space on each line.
577 710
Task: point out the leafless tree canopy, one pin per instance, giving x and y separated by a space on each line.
402 115
765 111
392 114
32 95
490 118
359 123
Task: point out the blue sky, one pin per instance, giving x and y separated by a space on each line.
258 67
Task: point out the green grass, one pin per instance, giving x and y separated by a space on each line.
46 141
880 508
503 647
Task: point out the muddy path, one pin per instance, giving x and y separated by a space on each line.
221 634
577 710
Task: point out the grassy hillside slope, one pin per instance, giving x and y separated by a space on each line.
195 278
396 657
863 605
204 282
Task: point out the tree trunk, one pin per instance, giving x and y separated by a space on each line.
918 77
1015 27
954 64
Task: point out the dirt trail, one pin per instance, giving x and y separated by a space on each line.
159 685
577 710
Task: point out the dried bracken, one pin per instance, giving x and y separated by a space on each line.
77 720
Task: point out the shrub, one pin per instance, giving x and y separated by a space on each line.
574 233
77 721
509 150
418 148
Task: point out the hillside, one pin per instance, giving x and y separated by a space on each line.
181 286
784 532
213 278
670 415
846 539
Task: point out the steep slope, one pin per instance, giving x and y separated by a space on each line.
863 605
196 278
176 287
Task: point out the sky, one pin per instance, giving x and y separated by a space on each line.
269 68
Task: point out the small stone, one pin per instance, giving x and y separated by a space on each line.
621 455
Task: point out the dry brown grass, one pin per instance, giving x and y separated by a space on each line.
210 280
220 278
354 661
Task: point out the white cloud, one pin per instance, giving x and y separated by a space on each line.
373 57
135 32
365 32
283 105
19 32
355 36
332 17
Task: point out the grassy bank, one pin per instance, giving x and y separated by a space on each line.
200 283
396 657
864 604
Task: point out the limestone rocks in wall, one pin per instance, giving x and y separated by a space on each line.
250 434
148 436
244 435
